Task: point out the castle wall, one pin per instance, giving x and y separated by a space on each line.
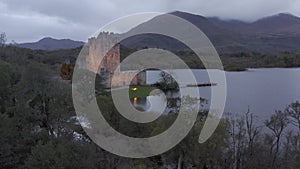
127 78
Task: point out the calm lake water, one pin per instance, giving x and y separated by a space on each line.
263 90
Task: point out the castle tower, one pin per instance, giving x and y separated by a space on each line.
102 48
106 48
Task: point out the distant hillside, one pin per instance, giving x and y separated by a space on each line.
274 34
280 24
220 37
52 44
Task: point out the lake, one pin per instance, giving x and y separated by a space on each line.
263 90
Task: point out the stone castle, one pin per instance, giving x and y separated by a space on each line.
106 48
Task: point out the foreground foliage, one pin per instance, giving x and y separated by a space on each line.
38 128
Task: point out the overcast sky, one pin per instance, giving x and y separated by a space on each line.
30 20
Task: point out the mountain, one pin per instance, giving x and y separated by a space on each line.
222 38
273 34
52 44
280 24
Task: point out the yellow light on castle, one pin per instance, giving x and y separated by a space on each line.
134 89
134 101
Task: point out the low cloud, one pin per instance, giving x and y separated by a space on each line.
31 20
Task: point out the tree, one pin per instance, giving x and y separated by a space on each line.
189 152
167 82
293 111
62 153
290 150
9 135
277 123
3 39
238 141
252 131
8 78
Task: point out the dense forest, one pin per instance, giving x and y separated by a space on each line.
239 61
39 128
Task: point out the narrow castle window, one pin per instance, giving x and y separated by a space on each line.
102 70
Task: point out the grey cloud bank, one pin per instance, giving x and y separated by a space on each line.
32 20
